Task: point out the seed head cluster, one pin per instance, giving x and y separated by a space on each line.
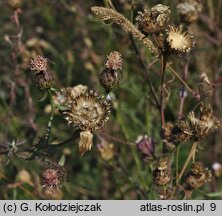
194 128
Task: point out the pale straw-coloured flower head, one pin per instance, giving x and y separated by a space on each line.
178 41
154 20
87 112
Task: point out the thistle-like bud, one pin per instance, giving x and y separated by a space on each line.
198 176
53 176
153 21
44 80
109 78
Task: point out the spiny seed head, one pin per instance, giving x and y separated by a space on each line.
198 176
38 64
178 41
44 80
87 111
206 122
153 21
189 11
53 176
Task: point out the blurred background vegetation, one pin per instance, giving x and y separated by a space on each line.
77 44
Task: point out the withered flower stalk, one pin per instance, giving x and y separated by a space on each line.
109 14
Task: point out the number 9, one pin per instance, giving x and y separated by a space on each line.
212 206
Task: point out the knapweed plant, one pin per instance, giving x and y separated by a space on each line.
168 138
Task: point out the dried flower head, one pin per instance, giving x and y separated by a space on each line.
153 21
162 174
114 61
206 122
182 132
44 80
178 41
38 64
88 112
189 11
53 176
198 176
146 146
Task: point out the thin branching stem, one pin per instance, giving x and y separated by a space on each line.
146 73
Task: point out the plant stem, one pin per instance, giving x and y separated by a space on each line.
146 74
183 91
190 156
49 126
162 97
177 162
